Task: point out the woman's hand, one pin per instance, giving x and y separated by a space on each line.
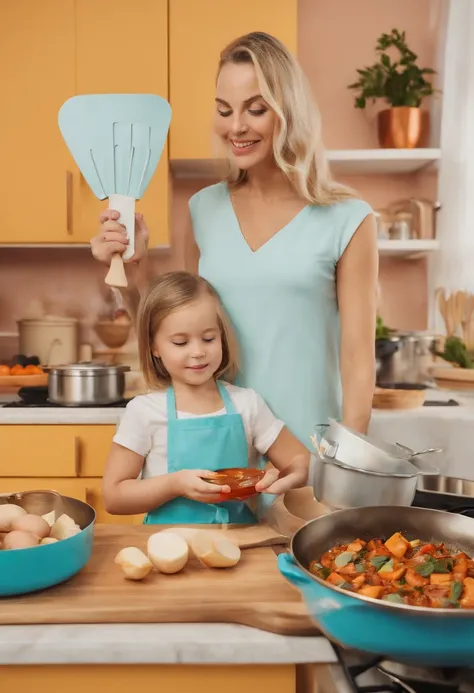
190 483
295 475
111 238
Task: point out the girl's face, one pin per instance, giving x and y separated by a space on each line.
189 342
243 120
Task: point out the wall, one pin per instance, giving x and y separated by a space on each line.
329 50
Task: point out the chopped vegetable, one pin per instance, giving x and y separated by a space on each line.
399 571
343 559
397 545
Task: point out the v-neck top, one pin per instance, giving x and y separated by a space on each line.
282 302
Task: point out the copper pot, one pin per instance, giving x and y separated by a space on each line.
402 127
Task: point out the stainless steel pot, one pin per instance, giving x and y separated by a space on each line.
339 486
358 450
405 357
86 384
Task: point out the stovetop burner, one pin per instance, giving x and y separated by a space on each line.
366 674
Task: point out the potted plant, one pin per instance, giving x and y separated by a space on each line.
403 85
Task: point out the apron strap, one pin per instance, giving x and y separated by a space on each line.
229 406
171 401
171 404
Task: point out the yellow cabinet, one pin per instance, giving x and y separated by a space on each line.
69 459
122 47
49 450
87 490
51 50
198 33
36 77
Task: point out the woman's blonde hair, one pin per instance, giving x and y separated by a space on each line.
297 144
168 293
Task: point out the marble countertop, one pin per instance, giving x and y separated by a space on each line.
173 643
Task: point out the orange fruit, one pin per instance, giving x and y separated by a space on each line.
17 370
4 370
33 370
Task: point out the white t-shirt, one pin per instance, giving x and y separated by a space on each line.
143 427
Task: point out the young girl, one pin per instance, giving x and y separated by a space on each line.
192 422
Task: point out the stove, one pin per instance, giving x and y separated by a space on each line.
367 674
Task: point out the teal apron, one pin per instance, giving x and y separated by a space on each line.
208 442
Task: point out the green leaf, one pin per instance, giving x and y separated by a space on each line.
394 597
379 561
425 569
343 559
324 573
455 592
387 567
443 565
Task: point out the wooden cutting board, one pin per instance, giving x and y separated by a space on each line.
254 593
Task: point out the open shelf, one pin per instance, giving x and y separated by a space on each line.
342 161
407 249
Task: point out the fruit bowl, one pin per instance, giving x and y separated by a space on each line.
242 481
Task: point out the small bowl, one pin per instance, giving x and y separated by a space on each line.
113 334
242 482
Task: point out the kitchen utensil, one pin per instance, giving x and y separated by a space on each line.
356 449
117 141
401 228
405 357
28 570
462 489
423 213
411 454
242 481
112 333
339 486
252 593
424 636
86 384
52 339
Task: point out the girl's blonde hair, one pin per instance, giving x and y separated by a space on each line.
297 144
168 293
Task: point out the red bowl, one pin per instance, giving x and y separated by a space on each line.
242 481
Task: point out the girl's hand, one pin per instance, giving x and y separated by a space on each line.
295 475
190 484
111 238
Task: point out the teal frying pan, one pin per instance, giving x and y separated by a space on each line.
116 141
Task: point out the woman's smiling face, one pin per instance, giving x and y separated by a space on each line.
243 121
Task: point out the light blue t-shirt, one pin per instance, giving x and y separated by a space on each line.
282 302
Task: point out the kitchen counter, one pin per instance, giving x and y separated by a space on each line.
170 643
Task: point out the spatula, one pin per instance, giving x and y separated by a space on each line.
116 141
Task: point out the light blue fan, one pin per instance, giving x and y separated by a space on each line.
116 141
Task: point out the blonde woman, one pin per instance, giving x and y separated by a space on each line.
192 423
292 254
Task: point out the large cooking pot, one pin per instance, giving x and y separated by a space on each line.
29 570
417 635
339 486
82 384
405 357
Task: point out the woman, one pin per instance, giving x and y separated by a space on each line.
292 254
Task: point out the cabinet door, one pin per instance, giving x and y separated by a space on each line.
93 448
122 47
39 451
36 77
87 490
198 33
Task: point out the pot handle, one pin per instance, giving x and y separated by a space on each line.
319 599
